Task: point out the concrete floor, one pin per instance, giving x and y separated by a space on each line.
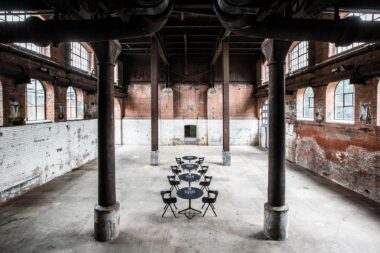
58 217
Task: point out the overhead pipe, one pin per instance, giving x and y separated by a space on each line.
41 32
341 32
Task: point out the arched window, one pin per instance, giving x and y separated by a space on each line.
364 17
71 103
35 100
308 103
378 104
299 56
18 17
80 57
344 99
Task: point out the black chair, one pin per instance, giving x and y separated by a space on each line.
206 183
173 183
210 201
203 170
179 161
175 170
168 201
200 160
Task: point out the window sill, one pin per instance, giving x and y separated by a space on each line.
346 122
74 119
33 122
305 119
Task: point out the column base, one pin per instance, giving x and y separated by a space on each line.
226 158
154 158
276 222
106 222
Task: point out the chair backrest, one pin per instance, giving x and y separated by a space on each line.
215 193
178 160
171 178
163 194
174 167
208 178
201 159
204 166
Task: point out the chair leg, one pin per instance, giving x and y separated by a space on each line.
172 210
214 212
213 207
177 187
175 206
202 187
206 210
203 205
171 188
165 208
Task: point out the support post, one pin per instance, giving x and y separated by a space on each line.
276 210
226 103
154 159
107 209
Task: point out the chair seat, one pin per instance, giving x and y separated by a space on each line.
203 183
208 200
170 200
174 182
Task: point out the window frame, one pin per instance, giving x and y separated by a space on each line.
35 82
30 47
344 93
311 104
69 107
294 56
77 60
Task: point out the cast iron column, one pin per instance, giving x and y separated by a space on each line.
154 160
276 211
226 103
107 210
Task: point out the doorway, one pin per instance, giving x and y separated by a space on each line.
190 133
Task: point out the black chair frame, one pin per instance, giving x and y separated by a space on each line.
210 200
168 202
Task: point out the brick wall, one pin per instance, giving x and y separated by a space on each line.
32 155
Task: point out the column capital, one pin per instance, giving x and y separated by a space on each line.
107 51
275 50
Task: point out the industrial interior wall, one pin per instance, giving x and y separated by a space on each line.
32 155
185 104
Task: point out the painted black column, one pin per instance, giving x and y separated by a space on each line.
154 159
226 103
107 210
276 218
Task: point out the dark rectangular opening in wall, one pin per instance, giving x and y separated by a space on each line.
190 131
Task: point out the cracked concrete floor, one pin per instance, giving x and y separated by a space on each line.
58 216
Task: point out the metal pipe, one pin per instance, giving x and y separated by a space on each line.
35 30
341 32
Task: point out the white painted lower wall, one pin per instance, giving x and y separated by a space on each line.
32 155
209 132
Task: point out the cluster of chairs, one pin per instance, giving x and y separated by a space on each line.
209 200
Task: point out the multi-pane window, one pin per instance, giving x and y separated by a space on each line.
364 17
308 103
265 113
71 103
17 17
299 56
265 72
35 101
79 57
344 101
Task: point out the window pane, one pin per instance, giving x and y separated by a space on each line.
40 113
348 100
339 100
348 113
338 112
